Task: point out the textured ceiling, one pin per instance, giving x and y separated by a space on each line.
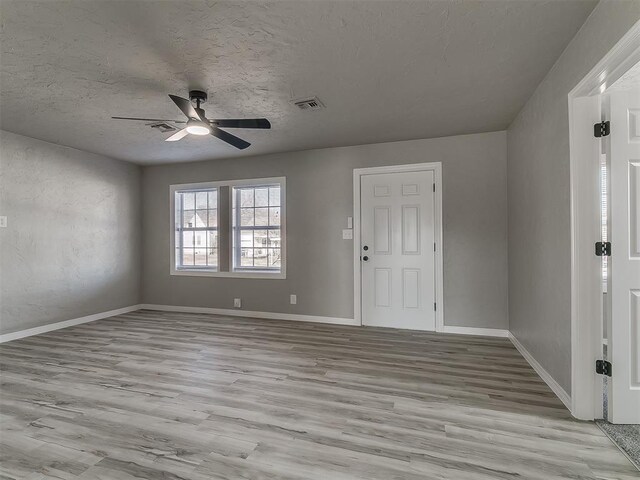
386 70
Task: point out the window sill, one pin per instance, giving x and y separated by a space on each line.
243 274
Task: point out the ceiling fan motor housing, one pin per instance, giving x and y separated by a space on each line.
197 96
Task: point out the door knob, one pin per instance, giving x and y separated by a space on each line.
365 248
365 258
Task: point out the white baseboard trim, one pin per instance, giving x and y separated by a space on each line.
7 337
487 332
247 313
548 379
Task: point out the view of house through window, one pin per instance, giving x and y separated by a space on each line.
196 219
256 227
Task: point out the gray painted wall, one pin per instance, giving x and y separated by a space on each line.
72 245
319 199
539 196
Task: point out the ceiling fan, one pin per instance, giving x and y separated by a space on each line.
198 124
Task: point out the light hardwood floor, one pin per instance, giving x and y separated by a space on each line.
183 396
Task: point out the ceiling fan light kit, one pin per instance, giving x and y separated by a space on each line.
199 124
198 128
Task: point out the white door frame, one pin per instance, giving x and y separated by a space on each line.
436 168
586 293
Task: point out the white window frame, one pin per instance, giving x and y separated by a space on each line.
264 274
252 272
173 189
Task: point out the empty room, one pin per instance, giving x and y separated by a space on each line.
320 239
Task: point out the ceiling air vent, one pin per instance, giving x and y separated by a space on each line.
312 103
163 127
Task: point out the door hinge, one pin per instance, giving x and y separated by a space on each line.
601 129
434 247
434 187
435 306
603 249
603 367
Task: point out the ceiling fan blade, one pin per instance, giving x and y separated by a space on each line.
186 107
149 119
230 139
177 136
242 123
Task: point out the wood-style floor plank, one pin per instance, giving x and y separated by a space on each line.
186 396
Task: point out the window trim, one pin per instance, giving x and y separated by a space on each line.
199 272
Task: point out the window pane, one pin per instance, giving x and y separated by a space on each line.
246 238
259 239
246 257
256 227
200 239
201 200
274 196
246 217
187 239
201 218
274 216
274 238
246 197
196 212
200 256
260 257
188 200
274 257
213 199
213 217
262 217
187 257
212 241
212 257
262 197
189 219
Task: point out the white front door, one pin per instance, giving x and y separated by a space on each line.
624 338
397 250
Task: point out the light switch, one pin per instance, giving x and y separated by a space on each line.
3 222
347 234
349 222
293 299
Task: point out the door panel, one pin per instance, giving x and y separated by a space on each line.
624 341
397 248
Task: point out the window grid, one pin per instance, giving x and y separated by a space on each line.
264 252
197 229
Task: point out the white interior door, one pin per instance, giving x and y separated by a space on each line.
624 338
397 250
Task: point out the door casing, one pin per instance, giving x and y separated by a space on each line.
586 316
436 167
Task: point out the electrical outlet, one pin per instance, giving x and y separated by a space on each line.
237 303
3 222
293 299
347 234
